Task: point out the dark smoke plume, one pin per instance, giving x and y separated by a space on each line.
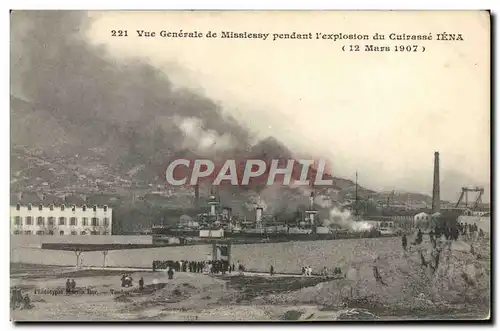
118 105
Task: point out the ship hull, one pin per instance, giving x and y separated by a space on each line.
248 237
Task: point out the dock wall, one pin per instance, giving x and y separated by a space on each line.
285 257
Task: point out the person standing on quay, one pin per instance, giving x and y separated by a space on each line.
141 284
68 286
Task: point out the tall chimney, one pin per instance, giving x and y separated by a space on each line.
436 200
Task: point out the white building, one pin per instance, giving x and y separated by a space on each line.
60 220
421 217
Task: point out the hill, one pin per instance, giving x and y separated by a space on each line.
84 122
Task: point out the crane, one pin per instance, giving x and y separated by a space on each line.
465 191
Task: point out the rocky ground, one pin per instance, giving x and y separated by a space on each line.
448 281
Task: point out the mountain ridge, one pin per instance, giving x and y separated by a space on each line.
90 158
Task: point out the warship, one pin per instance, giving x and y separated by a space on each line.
219 223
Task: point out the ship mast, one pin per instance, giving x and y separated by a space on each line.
356 195
356 186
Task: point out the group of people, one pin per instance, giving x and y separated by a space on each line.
70 286
208 267
449 233
179 266
219 267
17 300
470 231
434 234
127 280
325 272
467 231
306 271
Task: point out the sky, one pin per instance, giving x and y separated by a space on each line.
382 114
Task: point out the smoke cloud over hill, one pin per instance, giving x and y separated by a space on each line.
77 99
109 102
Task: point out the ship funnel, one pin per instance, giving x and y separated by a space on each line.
258 217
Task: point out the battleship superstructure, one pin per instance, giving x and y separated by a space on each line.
218 222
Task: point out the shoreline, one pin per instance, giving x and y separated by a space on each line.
405 287
200 297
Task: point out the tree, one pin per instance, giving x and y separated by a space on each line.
104 254
78 252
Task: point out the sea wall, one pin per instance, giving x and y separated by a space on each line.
139 258
285 257
37 241
291 256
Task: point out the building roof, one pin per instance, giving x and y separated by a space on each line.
26 198
14 199
101 199
50 199
75 200
36 198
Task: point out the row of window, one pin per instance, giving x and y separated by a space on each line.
51 207
73 233
94 221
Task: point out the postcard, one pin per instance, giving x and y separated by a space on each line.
250 166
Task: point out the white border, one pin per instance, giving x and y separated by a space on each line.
187 4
